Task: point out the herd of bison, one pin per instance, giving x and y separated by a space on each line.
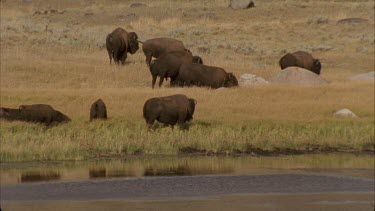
171 61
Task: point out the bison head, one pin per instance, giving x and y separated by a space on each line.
191 109
60 117
133 42
197 60
10 113
231 80
317 66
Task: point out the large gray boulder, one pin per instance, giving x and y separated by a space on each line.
364 77
345 113
250 79
297 76
241 4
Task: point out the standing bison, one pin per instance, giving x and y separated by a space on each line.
203 75
98 110
158 46
170 110
301 59
40 113
167 65
119 43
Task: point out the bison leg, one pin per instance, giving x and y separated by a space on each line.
153 80
110 54
161 81
148 59
123 58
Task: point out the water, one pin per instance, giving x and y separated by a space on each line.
137 167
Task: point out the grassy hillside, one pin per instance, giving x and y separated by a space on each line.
59 58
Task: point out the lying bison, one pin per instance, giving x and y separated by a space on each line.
167 65
170 110
158 46
40 113
301 59
203 75
119 43
98 110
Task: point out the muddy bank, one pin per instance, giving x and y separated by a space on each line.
320 201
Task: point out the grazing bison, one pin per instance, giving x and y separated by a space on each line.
158 46
119 43
301 59
34 113
203 75
197 60
167 65
170 110
98 110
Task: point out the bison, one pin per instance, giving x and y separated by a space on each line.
119 43
167 65
203 75
170 110
98 110
301 59
40 113
158 46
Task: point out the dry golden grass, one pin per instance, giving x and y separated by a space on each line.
60 59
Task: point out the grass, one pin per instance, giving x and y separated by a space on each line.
60 59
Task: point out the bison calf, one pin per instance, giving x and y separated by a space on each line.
98 110
203 75
301 59
170 110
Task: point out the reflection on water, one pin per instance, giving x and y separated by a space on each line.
133 167
39 176
170 171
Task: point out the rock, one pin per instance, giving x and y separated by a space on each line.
297 76
352 21
241 4
250 79
137 5
364 77
221 88
345 113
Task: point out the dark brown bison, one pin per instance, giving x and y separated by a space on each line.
40 113
170 110
197 60
119 43
203 75
158 46
98 110
301 59
167 65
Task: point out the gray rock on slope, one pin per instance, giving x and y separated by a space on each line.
364 77
297 76
241 4
250 79
345 113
